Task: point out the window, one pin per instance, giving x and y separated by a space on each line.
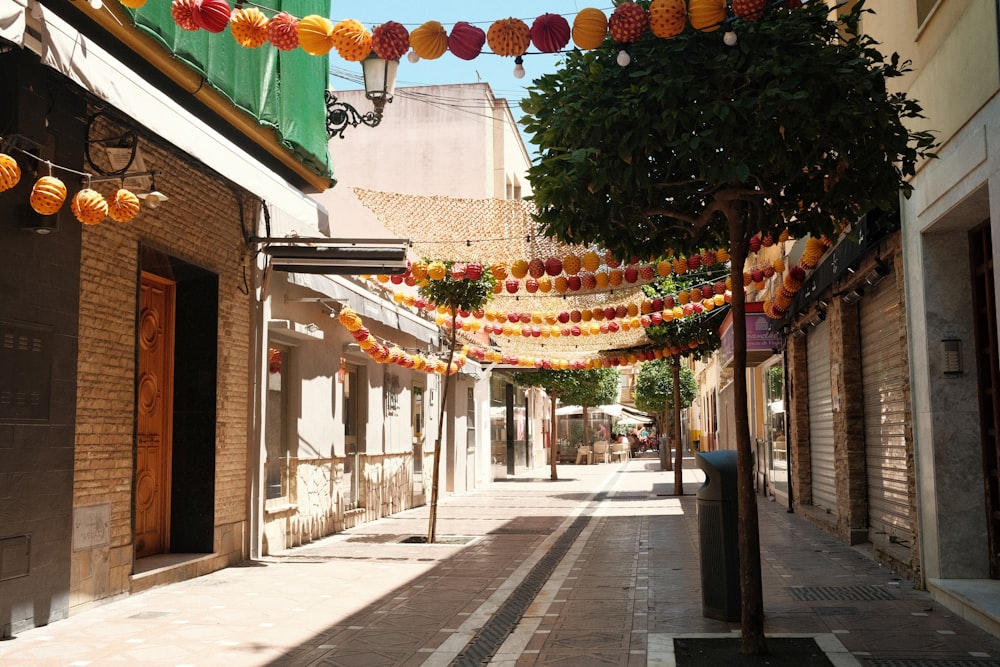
470 432
276 461
924 9
417 417
352 444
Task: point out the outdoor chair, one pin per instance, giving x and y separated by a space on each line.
584 454
619 451
601 452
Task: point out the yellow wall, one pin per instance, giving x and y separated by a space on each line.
954 57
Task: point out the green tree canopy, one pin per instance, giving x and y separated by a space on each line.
588 388
654 387
794 122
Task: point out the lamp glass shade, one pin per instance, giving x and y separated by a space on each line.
380 77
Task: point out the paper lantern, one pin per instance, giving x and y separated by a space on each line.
429 41
571 264
553 266
123 206
352 40
550 33
182 12
211 15
706 15
509 37
89 206
466 40
749 10
10 172
390 40
249 27
316 35
47 195
133 4
283 31
667 18
627 23
519 269
589 28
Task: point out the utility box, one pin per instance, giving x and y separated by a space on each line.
718 535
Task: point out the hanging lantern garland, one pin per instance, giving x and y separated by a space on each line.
510 37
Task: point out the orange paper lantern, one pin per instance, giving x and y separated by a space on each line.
47 195
706 15
249 27
667 18
123 206
10 172
352 40
429 41
509 37
316 35
89 206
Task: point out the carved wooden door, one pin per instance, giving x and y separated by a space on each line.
153 407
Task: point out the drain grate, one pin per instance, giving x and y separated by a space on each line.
919 662
812 593
495 631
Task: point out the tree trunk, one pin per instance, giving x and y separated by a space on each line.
586 426
675 367
752 641
554 445
663 423
436 466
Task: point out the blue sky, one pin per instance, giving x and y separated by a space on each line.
495 70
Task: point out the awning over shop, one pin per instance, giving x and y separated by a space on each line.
622 412
366 305
12 20
71 53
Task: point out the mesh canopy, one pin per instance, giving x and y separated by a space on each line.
502 230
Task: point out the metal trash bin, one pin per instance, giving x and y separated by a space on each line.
718 536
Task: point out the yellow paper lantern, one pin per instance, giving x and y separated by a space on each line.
589 28
316 35
706 15
123 206
429 41
10 172
133 4
89 206
47 195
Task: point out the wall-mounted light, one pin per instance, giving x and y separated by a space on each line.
951 356
877 274
853 296
380 86
39 224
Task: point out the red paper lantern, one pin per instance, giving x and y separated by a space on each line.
466 40
390 41
182 12
550 33
283 31
212 15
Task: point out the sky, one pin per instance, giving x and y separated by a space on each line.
495 70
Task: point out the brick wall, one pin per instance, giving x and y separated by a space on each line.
200 225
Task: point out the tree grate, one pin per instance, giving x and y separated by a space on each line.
920 662
494 632
812 593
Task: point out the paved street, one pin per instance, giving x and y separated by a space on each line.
598 568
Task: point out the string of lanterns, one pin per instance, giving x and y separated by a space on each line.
49 193
510 37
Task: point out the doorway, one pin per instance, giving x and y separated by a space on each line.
986 360
176 390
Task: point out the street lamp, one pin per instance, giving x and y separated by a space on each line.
380 84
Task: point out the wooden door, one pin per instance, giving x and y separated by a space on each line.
154 408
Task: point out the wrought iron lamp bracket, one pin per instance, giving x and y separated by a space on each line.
341 114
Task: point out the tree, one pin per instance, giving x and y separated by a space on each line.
452 285
587 388
665 387
696 143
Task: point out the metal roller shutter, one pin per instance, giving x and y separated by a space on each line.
883 373
824 486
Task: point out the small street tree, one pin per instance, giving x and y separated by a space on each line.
696 144
664 387
461 288
586 388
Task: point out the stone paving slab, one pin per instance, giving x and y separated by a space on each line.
623 585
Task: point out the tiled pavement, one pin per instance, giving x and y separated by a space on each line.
598 568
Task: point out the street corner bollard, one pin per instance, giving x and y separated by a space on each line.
718 535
